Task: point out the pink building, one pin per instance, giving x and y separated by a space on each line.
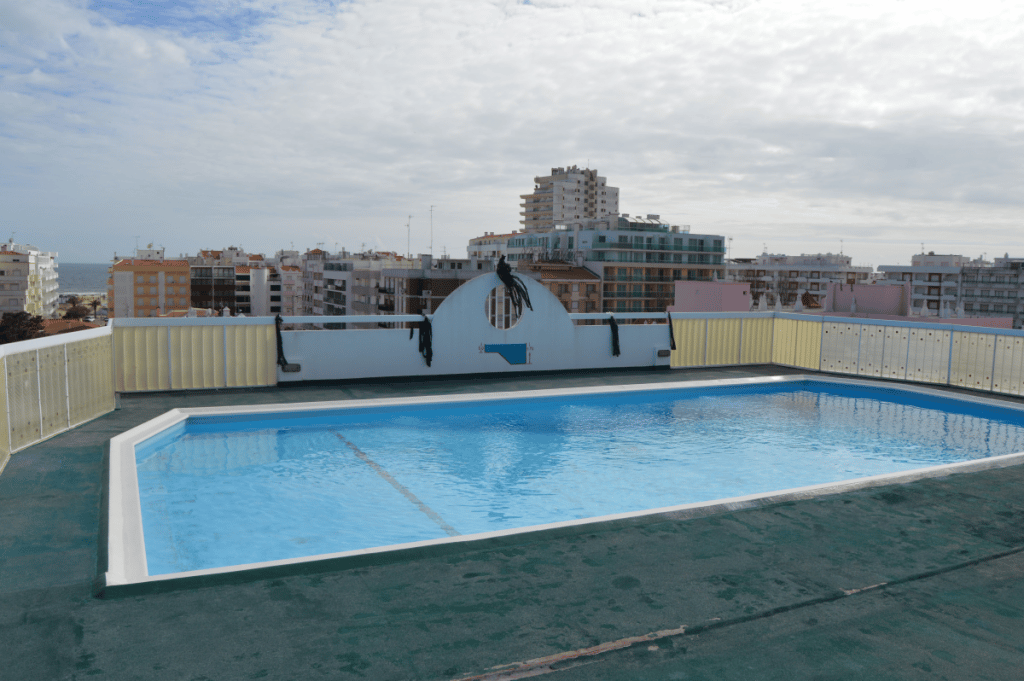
881 301
711 296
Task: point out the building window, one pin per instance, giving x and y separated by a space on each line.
275 299
275 308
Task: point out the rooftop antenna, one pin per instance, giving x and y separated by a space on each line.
408 238
840 247
431 231
136 246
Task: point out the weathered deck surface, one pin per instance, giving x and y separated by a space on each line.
780 592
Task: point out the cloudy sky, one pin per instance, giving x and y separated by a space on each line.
796 126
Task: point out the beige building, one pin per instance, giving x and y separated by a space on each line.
148 285
568 195
28 280
577 288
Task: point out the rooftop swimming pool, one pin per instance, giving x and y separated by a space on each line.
210 490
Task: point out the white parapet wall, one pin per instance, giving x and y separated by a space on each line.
465 342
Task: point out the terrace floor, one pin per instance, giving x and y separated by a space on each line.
920 580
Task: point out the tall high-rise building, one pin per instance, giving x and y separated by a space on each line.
568 195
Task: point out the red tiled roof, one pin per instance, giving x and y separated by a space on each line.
242 269
200 312
494 236
53 327
133 262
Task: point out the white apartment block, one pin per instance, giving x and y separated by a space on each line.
28 280
947 284
568 195
785 275
490 246
935 280
355 281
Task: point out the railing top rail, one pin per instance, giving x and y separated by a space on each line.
354 319
53 341
191 321
941 326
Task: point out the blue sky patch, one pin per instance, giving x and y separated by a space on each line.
227 20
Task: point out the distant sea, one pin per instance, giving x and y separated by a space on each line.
81 278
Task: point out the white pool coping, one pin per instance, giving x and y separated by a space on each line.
126 545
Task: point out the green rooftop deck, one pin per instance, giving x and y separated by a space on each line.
921 580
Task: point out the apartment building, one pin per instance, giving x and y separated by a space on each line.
148 285
285 294
213 287
420 290
28 280
490 246
785 275
636 258
577 288
994 291
566 195
356 281
935 279
312 281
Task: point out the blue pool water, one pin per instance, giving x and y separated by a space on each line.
222 491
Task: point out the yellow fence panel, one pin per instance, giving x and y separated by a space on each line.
808 345
757 341
90 379
1008 377
691 335
197 356
53 395
23 398
872 350
141 358
971 360
723 341
784 342
252 351
839 346
894 355
928 355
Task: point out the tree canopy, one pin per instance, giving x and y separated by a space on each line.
19 326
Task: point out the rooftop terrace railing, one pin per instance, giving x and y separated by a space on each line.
51 385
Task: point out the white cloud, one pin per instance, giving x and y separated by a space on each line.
778 122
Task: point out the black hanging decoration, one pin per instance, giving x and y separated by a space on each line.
615 336
281 361
514 286
671 333
426 339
